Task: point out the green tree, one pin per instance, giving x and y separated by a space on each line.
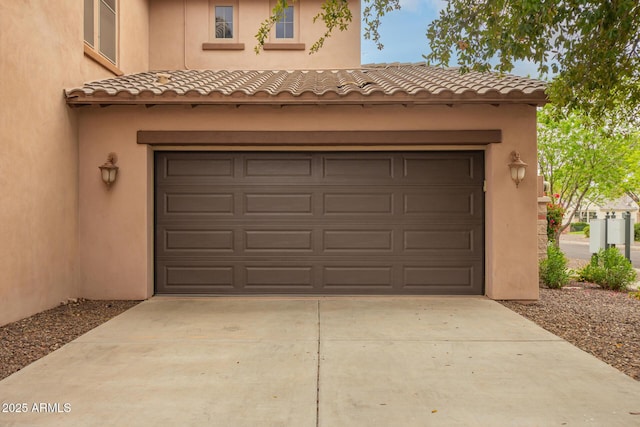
584 161
632 183
593 46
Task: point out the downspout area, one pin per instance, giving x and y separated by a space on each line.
184 26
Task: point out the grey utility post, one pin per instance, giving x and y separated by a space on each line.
611 231
627 235
606 231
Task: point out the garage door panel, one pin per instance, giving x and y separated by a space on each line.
363 276
428 203
185 168
185 277
449 239
313 223
187 240
454 279
199 167
438 276
197 203
436 168
352 203
333 276
357 240
458 203
262 277
197 240
358 167
278 204
279 240
278 167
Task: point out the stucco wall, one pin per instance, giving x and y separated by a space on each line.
511 215
134 36
116 225
180 49
42 53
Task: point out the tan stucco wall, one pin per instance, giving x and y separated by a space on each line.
134 36
511 214
42 53
180 49
116 226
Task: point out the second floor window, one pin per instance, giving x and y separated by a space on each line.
100 27
284 26
224 22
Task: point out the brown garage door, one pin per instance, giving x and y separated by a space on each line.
319 223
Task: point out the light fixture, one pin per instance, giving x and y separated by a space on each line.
517 167
109 170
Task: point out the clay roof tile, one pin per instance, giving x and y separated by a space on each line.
395 82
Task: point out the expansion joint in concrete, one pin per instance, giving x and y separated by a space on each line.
318 372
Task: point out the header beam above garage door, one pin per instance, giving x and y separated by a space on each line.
319 138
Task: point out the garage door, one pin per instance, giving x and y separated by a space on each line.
319 223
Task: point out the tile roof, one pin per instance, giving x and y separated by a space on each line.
371 84
624 203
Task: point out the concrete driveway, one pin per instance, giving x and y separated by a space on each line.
423 361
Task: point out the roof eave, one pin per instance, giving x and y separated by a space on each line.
78 101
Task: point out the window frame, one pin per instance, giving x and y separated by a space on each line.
285 24
292 43
212 20
215 43
93 48
215 23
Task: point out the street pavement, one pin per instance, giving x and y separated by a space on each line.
576 246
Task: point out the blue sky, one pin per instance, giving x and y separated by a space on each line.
403 34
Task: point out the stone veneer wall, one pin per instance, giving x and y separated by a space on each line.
543 240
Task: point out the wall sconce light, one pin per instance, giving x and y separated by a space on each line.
517 167
109 170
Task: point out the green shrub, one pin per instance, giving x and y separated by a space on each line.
586 230
553 269
636 232
578 226
609 269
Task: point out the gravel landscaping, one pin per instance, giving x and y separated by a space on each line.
27 340
603 323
